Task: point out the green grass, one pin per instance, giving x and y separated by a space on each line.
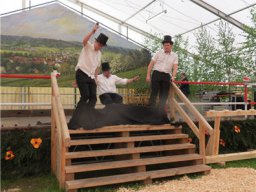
250 163
48 183
67 80
45 183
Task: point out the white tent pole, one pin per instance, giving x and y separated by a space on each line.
219 13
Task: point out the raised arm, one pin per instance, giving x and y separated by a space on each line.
150 66
136 78
89 35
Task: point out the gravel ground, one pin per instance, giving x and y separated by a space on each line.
219 180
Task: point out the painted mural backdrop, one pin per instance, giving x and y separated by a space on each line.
40 39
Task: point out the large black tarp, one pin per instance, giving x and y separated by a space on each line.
115 114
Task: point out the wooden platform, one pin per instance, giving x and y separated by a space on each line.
128 153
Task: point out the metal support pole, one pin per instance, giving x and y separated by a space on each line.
127 32
82 9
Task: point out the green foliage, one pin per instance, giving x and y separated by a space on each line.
216 58
234 141
27 160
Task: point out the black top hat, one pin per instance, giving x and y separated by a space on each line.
105 66
167 39
102 39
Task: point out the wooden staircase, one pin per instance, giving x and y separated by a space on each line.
124 153
120 154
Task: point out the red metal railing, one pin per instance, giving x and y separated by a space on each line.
221 83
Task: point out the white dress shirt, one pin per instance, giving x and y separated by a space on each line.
108 85
164 61
89 60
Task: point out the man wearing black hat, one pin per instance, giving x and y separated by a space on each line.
107 85
88 67
164 65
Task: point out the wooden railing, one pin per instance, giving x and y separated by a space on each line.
215 157
211 151
203 125
60 137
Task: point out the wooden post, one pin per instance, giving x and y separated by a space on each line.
216 136
53 139
202 141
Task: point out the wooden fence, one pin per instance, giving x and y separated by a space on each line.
30 98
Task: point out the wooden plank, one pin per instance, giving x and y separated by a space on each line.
216 136
228 113
187 119
58 143
231 157
124 128
202 141
131 163
107 180
123 151
55 92
53 139
126 139
209 146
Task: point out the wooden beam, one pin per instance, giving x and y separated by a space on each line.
123 128
228 113
202 141
216 136
231 157
56 93
53 139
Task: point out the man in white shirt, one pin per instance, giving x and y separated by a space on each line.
88 65
164 65
107 85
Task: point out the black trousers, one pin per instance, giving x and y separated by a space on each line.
160 84
109 98
87 88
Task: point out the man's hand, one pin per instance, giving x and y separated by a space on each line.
95 28
148 79
96 81
173 79
136 78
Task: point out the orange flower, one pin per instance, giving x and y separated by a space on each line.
189 140
237 129
9 155
36 142
222 142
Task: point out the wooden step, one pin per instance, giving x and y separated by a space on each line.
127 139
107 180
131 163
124 128
123 151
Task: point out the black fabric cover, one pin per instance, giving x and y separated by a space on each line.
115 114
